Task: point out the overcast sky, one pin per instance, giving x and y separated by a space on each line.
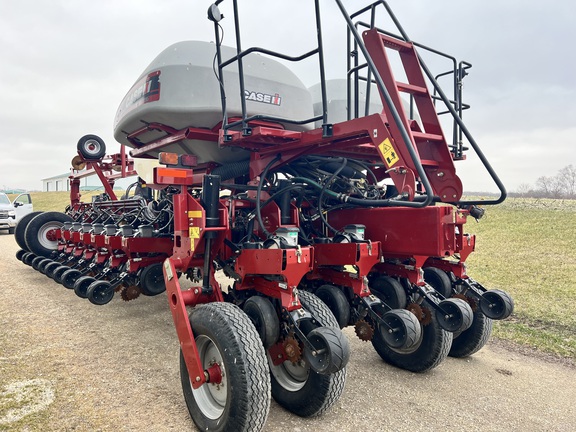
66 65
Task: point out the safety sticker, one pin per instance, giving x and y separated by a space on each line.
390 155
194 233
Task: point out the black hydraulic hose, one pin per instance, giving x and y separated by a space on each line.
323 191
259 192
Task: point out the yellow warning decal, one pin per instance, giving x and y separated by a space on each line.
390 155
194 233
195 214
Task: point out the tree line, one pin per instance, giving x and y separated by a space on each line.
561 185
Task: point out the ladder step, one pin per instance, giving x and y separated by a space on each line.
422 136
395 44
412 89
429 163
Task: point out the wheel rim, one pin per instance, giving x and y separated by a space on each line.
43 234
91 147
291 376
211 398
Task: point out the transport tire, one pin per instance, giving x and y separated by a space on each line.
389 291
472 340
69 277
38 230
429 351
438 280
21 229
295 386
265 319
152 280
336 300
223 333
91 147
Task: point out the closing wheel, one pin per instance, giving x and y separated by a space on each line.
20 254
265 319
58 272
389 291
50 267
91 147
82 284
438 280
337 302
42 264
429 351
34 263
69 277
298 388
400 328
472 340
21 229
496 304
100 292
39 232
225 336
455 316
152 280
28 257
329 355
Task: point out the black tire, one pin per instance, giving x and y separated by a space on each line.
21 229
91 147
296 387
27 258
50 267
331 352
69 277
265 319
20 254
438 280
336 300
38 228
389 291
429 351
58 272
42 264
459 315
34 263
82 284
223 331
497 304
152 280
100 293
407 329
472 340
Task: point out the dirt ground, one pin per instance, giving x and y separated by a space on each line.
67 365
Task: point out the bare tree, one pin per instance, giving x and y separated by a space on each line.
524 189
550 187
567 179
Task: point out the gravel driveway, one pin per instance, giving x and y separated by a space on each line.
73 366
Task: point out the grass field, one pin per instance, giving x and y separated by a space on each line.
528 248
524 246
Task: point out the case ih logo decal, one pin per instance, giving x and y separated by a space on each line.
263 97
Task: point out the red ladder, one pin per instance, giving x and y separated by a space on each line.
428 139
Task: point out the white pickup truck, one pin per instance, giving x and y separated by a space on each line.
12 212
